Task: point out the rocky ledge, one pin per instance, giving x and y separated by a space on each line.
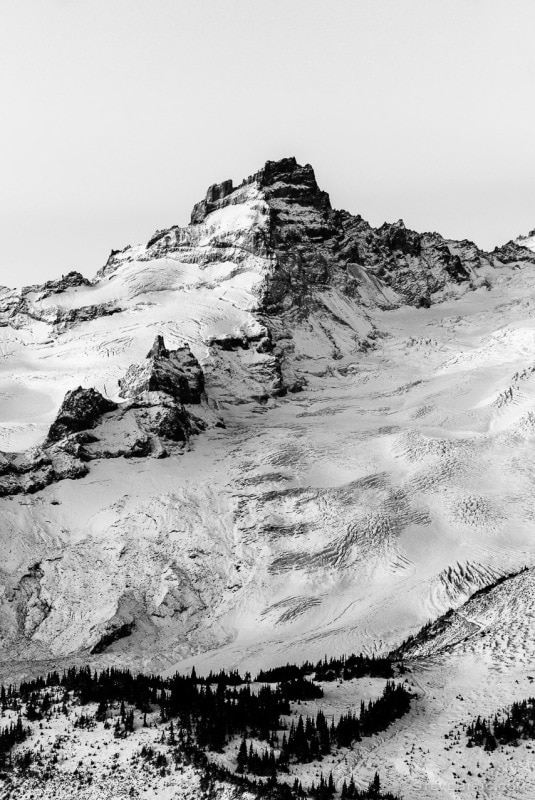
176 373
165 405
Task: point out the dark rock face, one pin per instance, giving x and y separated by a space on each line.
215 193
316 247
172 422
218 191
90 427
72 316
27 473
116 633
288 180
511 252
174 372
279 179
80 410
314 250
397 238
69 281
15 309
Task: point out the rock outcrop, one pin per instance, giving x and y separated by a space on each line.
317 248
176 373
29 472
80 411
514 252
153 420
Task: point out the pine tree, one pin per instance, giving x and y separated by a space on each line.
242 757
375 786
330 786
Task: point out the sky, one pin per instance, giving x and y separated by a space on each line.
116 115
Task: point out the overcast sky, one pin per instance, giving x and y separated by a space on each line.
117 114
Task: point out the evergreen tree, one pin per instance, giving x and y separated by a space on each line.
242 757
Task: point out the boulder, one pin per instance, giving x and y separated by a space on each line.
81 409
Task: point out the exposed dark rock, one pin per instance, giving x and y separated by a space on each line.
174 372
15 310
31 608
85 313
314 249
158 349
315 246
229 342
89 426
511 252
172 422
112 636
397 237
27 473
80 410
216 192
69 281
111 264
288 180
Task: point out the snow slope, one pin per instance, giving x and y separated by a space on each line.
338 517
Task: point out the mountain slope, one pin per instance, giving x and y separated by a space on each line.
362 377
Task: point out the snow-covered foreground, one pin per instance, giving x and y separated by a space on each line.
422 755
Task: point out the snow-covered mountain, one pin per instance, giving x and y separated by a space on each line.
271 433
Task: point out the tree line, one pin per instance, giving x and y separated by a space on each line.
312 738
517 722
206 715
10 735
344 668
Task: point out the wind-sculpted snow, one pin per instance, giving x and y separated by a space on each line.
496 621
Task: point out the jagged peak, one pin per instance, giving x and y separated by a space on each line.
176 373
158 349
285 178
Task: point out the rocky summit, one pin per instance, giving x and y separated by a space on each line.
275 433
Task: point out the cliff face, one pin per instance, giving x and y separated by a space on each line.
237 430
316 247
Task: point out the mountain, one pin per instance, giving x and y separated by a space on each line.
262 434
277 434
